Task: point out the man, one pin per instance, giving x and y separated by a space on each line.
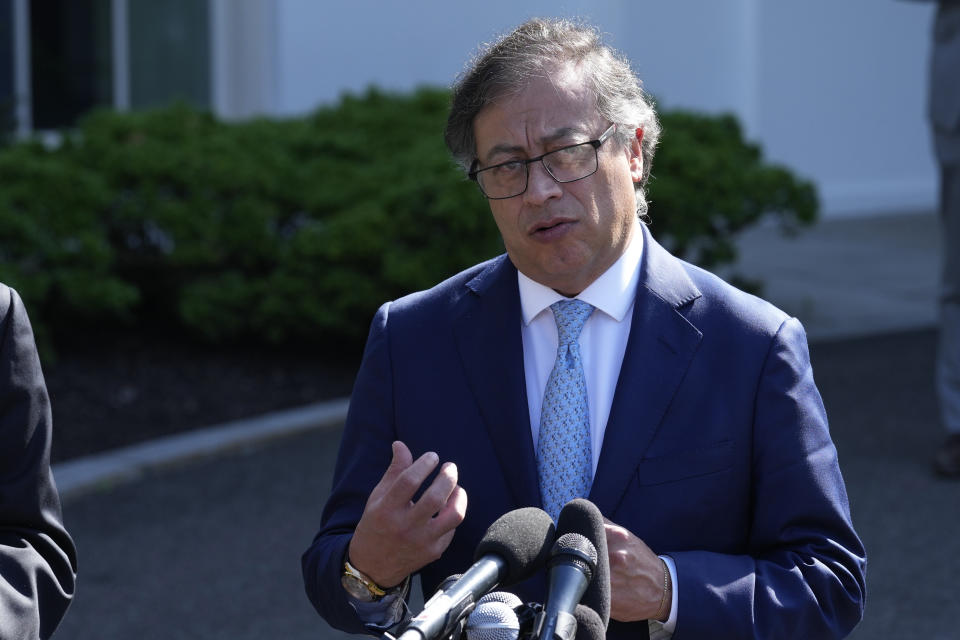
701 436
945 122
38 562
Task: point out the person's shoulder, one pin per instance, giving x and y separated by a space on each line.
445 296
735 311
8 298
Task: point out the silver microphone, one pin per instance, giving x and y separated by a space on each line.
507 598
493 620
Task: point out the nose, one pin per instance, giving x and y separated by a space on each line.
540 185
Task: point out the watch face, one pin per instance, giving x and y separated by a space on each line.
356 588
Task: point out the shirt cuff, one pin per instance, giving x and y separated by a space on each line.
386 612
664 630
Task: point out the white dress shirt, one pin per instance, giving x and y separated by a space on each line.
603 343
603 340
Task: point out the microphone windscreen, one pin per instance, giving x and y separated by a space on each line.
583 517
493 621
589 624
507 598
522 538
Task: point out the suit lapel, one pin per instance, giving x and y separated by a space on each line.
659 351
487 331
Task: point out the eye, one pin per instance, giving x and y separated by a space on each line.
507 169
576 151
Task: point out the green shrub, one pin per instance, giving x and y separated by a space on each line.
709 183
294 231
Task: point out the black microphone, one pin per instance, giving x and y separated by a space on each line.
571 567
583 517
589 624
528 614
515 546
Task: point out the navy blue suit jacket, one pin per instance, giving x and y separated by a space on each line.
716 452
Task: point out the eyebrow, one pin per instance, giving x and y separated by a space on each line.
558 134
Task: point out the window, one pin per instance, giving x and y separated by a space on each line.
60 58
70 60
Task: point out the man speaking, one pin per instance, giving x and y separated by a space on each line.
588 362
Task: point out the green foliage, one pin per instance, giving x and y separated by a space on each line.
708 184
294 231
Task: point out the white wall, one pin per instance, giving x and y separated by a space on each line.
834 89
843 98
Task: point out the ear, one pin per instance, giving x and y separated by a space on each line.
636 156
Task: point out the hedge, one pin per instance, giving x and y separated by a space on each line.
293 231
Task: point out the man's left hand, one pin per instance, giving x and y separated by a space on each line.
636 578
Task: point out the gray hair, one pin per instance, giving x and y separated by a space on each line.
535 48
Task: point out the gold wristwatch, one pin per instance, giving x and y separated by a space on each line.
359 586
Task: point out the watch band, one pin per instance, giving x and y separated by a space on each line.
376 591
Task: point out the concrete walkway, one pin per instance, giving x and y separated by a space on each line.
850 277
199 536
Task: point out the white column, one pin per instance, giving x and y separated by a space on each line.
22 96
120 47
243 44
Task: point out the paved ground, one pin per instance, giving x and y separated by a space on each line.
850 277
210 548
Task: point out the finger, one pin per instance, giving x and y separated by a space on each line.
401 459
408 482
616 535
452 513
437 494
443 542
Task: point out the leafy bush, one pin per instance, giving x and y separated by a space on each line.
709 183
294 231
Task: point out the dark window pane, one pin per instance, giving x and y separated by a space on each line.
169 52
71 71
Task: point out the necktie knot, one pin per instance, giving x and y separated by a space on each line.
570 315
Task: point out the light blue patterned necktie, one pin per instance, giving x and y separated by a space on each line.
564 459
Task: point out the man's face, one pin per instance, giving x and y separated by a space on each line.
563 236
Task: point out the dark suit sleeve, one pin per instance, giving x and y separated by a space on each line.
37 556
364 455
802 571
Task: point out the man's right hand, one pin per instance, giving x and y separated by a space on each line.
397 536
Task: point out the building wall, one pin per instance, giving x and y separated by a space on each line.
835 90
843 97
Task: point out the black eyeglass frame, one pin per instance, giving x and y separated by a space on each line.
472 174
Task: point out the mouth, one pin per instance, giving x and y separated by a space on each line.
552 227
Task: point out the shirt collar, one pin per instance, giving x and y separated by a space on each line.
613 292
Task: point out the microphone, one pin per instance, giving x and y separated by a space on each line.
514 547
459 628
589 624
493 620
527 613
583 517
571 567
507 598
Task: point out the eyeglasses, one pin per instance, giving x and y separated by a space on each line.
567 164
